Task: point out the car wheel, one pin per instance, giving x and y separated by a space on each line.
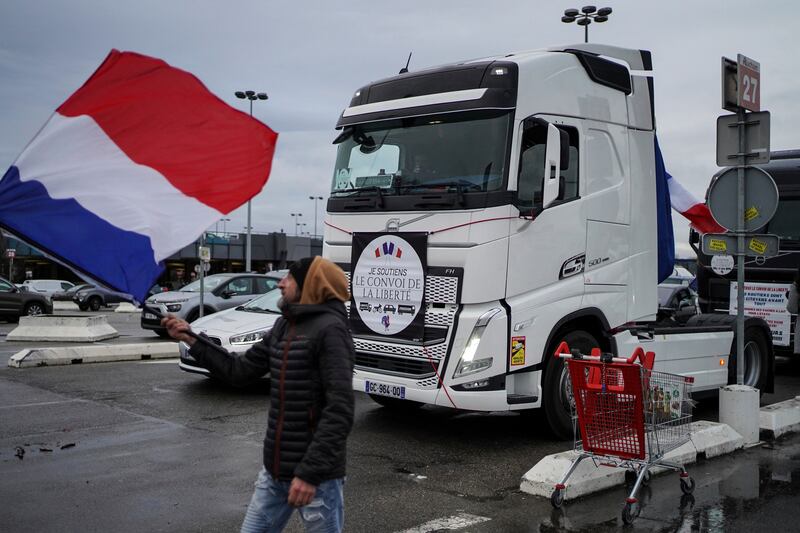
34 309
95 303
193 315
558 400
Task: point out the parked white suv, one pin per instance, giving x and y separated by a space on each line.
45 287
221 291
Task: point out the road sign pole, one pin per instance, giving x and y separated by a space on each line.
740 250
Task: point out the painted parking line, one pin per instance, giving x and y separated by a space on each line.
450 523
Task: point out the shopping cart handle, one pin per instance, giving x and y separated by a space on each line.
563 349
646 359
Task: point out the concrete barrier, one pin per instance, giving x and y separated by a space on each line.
780 418
59 305
706 438
62 328
70 355
127 307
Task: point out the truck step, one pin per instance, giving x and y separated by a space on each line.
521 398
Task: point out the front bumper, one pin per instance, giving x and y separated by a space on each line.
430 392
153 323
188 363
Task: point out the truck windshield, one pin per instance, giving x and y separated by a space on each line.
465 150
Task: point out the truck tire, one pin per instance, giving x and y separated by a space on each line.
95 303
557 388
755 359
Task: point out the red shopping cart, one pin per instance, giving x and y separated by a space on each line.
626 415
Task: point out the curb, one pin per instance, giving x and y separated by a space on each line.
779 418
708 439
68 355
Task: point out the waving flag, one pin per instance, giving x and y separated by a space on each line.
134 166
693 209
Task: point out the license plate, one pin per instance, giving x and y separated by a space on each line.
150 316
383 389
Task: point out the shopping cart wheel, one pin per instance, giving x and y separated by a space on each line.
630 512
687 486
647 477
557 498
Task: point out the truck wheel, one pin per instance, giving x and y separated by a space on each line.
95 303
395 404
558 401
755 359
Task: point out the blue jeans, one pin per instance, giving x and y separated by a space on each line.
269 510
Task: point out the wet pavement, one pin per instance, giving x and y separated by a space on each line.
753 490
142 446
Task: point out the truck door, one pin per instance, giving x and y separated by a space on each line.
548 243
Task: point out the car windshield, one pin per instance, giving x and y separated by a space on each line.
266 303
209 284
465 150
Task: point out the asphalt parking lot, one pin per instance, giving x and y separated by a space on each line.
142 446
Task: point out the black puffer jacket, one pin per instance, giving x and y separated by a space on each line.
309 354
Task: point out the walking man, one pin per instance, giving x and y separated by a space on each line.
309 356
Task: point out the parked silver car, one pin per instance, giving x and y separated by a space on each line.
221 291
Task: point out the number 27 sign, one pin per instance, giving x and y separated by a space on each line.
749 83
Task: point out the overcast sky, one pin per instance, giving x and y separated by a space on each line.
310 56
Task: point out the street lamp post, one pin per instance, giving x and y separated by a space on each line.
224 221
586 16
296 221
250 95
315 198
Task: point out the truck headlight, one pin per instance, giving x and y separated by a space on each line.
467 364
249 338
172 308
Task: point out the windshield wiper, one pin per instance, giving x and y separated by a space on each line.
377 190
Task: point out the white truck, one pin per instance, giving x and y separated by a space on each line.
487 210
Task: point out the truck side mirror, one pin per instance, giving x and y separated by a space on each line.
556 153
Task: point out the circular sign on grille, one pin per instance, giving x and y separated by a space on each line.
388 284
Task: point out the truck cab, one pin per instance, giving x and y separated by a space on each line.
507 204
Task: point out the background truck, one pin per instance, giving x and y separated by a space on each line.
771 272
516 202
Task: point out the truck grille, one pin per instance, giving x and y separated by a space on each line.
417 368
412 360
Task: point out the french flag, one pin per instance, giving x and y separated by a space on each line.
694 210
134 166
